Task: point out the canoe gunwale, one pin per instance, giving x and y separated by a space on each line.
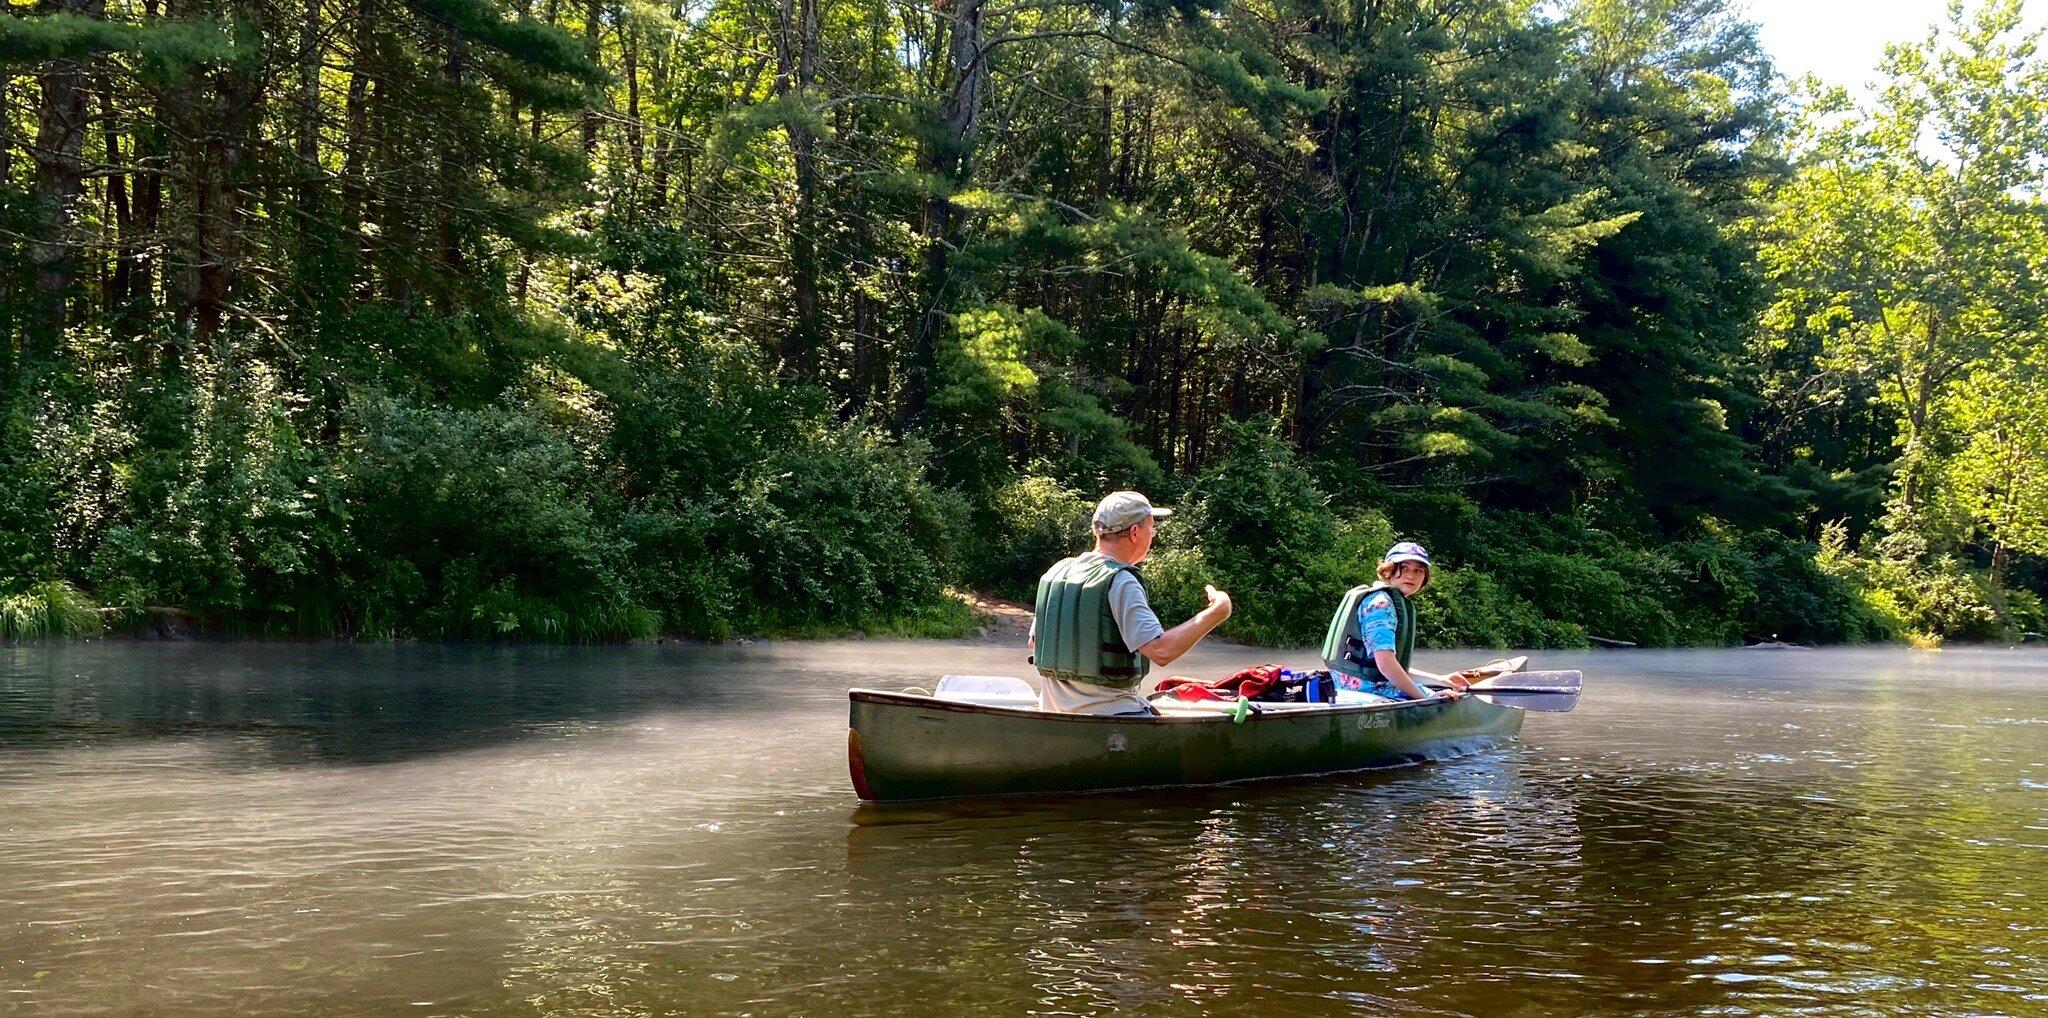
882 696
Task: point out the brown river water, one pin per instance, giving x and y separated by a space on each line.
261 829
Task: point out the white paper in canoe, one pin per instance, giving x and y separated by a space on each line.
987 690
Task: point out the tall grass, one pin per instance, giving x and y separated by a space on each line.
52 608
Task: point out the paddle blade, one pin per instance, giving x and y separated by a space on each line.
1548 692
1548 682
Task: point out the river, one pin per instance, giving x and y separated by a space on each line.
265 829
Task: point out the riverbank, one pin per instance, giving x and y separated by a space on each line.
966 616
54 611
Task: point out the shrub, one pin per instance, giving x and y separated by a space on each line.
479 523
1267 532
1174 577
1258 525
1954 606
840 528
1593 593
2025 612
1927 599
1029 524
27 495
1800 601
226 511
749 507
50 608
1470 608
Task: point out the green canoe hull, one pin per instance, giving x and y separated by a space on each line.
903 747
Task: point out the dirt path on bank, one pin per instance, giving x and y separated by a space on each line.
1001 621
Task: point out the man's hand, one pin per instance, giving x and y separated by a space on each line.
1168 647
1219 602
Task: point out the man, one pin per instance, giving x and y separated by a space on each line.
1373 633
1094 636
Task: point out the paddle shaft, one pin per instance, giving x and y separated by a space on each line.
1548 692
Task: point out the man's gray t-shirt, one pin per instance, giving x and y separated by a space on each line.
1138 625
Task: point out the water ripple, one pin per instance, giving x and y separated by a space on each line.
269 830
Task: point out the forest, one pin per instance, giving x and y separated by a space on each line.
594 320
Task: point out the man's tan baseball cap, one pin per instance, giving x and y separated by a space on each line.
1121 509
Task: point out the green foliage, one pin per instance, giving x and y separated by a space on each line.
51 608
1911 280
2025 613
166 45
28 497
238 516
1798 600
1927 599
753 510
824 526
839 527
946 618
1174 577
483 523
466 318
1028 524
1267 533
1469 607
1993 483
1257 526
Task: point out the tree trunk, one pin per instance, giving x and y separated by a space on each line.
591 15
60 175
950 160
797 67
636 142
356 145
308 141
523 284
7 139
449 241
223 111
9 334
115 296
664 149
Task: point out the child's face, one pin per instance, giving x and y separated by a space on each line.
1410 577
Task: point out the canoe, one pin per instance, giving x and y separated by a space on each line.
903 747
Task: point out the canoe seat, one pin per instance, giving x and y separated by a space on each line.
987 691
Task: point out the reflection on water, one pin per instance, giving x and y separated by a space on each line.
272 829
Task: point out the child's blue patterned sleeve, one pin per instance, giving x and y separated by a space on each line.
1376 623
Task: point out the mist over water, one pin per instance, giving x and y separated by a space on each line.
272 829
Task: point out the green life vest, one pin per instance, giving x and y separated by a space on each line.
1344 645
1078 638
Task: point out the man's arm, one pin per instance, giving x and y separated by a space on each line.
1182 638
